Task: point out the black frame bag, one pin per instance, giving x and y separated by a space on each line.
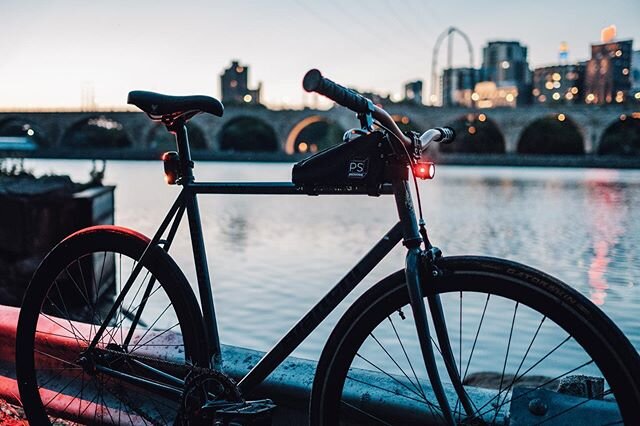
354 166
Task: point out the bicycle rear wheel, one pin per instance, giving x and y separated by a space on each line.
515 333
70 294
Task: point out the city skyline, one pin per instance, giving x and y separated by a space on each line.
56 53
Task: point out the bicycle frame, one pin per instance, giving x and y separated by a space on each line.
405 230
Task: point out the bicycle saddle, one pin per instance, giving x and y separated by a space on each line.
163 107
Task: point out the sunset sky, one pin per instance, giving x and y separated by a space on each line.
51 49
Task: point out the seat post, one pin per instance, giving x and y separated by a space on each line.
179 130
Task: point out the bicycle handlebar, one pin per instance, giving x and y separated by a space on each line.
313 81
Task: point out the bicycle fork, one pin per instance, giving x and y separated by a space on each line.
416 272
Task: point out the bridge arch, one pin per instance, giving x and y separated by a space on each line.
312 134
552 134
621 137
20 127
159 138
247 133
96 131
477 134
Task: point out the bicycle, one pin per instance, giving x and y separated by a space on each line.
143 350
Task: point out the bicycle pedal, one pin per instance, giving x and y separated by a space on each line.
249 413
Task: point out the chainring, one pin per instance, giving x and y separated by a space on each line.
205 387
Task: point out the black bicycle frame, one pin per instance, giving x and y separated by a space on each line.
405 230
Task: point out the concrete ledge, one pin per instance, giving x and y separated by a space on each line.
289 386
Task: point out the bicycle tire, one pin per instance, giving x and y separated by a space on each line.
479 277
61 303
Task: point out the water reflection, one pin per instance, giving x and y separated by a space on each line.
272 258
607 212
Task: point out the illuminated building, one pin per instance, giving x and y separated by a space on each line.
635 77
234 86
413 92
558 84
608 73
457 86
505 63
488 94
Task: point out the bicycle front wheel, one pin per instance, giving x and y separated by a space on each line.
72 291
516 335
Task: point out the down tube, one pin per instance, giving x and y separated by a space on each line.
320 311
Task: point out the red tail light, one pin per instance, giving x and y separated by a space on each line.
424 170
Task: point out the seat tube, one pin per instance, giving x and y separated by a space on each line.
204 280
413 271
197 242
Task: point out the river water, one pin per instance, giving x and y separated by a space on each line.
273 257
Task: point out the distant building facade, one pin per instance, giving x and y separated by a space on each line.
413 92
558 84
234 86
505 64
635 76
458 85
608 73
488 94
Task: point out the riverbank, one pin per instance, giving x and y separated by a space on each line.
510 160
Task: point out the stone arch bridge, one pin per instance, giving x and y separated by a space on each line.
54 127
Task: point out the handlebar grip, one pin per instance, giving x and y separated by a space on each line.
448 135
314 82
